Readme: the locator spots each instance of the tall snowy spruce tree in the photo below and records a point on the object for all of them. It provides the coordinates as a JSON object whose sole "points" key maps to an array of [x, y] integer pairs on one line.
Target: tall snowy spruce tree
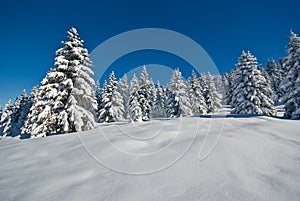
{"points": [[272, 71], [229, 87], [252, 94], [144, 94], [172, 105], [66, 99], [159, 104], [135, 108], [112, 102], [212, 97], [290, 84], [152, 93], [100, 95], [19, 114], [123, 89], [225, 81], [1, 112], [178, 99], [6, 119], [219, 85], [195, 92]]}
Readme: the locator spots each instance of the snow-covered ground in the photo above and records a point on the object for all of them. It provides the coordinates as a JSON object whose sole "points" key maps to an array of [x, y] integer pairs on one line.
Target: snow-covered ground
{"points": [[254, 158]]}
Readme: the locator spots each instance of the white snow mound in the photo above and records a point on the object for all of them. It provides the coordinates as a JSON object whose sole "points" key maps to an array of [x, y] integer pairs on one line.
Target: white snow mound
{"points": [[256, 158]]}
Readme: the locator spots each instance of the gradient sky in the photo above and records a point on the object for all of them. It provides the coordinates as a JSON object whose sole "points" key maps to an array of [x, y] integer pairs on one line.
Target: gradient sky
{"points": [[31, 31]]}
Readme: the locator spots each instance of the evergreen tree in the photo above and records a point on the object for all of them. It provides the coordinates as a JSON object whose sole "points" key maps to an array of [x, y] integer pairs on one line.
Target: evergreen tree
{"points": [[49, 107], [100, 99], [213, 99], [179, 96], [229, 88], [282, 71], [290, 84], [172, 104], [123, 89], [252, 93], [144, 95], [135, 109], [281, 68], [225, 81], [27, 126], [82, 102], [33, 98], [159, 109], [1, 112], [34, 94], [6, 119], [104, 114], [113, 108], [217, 79], [152, 93], [19, 115], [195, 92], [265, 74], [66, 99], [273, 75]]}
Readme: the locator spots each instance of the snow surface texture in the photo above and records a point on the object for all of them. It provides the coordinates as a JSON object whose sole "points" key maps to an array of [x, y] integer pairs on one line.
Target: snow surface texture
{"points": [[256, 158]]}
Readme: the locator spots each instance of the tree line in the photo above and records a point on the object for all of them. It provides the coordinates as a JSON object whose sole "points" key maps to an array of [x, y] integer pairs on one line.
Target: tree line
{"points": [[69, 100]]}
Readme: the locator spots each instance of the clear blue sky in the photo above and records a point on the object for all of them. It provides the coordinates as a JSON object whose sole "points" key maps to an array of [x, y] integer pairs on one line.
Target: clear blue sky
{"points": [[31, 30]]}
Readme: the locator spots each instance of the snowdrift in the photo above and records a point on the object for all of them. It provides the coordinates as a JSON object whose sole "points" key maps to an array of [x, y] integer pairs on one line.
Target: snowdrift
{"points": [[253, 158]]}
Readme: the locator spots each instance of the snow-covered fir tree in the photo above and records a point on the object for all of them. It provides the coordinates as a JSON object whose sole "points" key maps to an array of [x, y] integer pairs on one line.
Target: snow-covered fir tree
{"points": [[144, 94], [49, 108], [290, 84], [152, 93], [225, 81], [19, 115], [265, 74], [229, 88], [272, 77], [282, 71], [135, 109], [252, 93], [34, 94], [172, 104], [112, 101], [27, 127], [103, 112], [195, 92], [159, 109], [152, 97], [82, 102], [66, 99], [100, 94], [1, 112], [272, 71], [178, 94], [123, 89], [219, 85], [6, 119], [212, 97]]}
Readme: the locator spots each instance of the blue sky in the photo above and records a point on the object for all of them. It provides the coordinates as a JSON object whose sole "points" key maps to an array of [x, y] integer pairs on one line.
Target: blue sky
{"points": [[31, 31]]}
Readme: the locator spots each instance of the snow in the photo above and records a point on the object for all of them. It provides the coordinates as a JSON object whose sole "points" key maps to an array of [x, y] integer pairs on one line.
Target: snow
{"points": [[255, 158]]}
